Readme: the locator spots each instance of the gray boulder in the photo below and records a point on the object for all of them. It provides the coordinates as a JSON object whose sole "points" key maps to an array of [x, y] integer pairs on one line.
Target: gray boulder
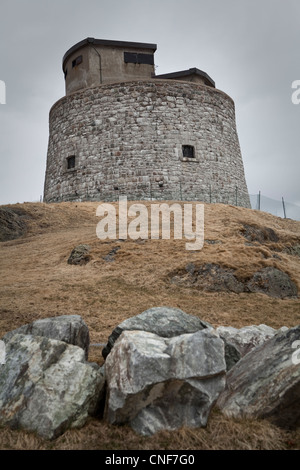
{"points": [[68, 328], [273, 282], [156, 383], [162, 321], [246, 338], [46, 386], [265, 383]]}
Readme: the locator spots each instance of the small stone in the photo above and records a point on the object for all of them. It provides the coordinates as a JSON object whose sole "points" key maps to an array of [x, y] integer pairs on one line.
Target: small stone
{"points": [[80, 255]]}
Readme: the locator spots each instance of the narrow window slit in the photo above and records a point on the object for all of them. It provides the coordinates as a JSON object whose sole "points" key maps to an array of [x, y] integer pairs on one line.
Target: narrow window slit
{"points": [[71, 162]]}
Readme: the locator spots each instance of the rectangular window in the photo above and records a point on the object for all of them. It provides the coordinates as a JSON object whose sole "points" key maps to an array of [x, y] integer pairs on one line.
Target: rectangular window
{"points": [[130, 58], [77, 61], [137, 58], [146, 59], [188, 151], [71, 162]]}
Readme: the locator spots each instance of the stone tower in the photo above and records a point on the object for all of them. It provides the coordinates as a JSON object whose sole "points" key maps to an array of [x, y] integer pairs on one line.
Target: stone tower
{"points": [[122, 130]]}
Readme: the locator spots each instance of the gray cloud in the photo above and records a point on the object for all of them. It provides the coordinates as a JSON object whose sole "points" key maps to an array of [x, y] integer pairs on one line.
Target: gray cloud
{"points": [[248, 47]]}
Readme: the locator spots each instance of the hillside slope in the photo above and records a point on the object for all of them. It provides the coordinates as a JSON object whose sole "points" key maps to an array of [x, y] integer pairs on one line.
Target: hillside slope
{"points": [[125, 277]]}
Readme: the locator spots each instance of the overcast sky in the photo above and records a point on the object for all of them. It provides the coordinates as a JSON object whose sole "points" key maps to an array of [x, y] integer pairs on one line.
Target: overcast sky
{"points": [[250, 48]]}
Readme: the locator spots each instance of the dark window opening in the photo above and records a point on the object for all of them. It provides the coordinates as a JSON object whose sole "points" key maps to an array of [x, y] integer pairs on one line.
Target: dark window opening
{"points": [[66, 73], [130, 58], [71, 162], [77, 61], [188, 151], [136, 58]]}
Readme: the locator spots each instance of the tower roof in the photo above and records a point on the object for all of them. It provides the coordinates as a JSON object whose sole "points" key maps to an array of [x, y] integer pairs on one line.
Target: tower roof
{"points": [[109, 43], [185, 73]]}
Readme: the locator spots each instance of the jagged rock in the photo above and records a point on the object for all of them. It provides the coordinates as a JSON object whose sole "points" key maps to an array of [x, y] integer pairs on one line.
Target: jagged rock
{"points": [[212, 277], [80, 255], [246, 338], [273, 282], [163, 321], [46, 386], [68, 328], [259, 234], [208, 277], [265, 383], [12, 224], [156, 383]]}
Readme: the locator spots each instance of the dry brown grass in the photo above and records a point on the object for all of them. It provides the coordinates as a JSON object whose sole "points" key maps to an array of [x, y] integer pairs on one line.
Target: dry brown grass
{"points": [[36, 282], [221, 433]]}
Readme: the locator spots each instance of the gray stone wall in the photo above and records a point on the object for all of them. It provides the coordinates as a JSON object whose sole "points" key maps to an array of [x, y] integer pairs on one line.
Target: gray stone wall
{"points": [[127, 139]]}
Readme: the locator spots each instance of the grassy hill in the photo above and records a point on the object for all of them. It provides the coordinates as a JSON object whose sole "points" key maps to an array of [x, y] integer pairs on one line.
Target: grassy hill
{"points": [[125, 277]]}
